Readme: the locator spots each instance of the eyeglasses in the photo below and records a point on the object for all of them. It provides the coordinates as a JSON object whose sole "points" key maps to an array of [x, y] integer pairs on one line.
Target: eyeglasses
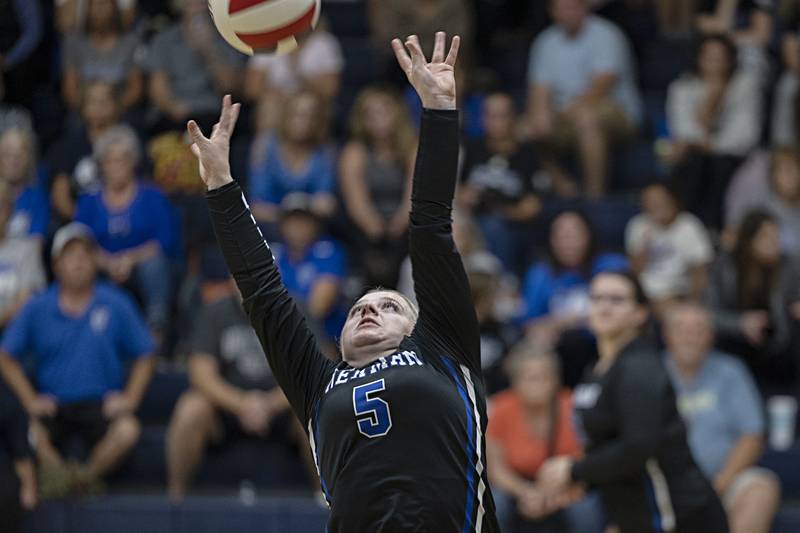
{"points": [[612, 299]]}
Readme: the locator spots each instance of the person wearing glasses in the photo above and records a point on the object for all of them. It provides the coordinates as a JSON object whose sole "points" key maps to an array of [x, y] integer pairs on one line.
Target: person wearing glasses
{"points": [[636, 452]]}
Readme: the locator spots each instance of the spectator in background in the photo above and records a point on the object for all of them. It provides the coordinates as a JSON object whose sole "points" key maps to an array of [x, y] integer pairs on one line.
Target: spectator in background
{"points": [[556, 292], [71, 14], [21, 30], [296, 158], [134, 224], [18, 490], [375, 181], [80, 333], [72, 162], [669, 249], [755, 296], [784, 198], [497, 182], [21, 270], [316, 64], [18, 170], [724, 419], [748, 22], [675, 17], [498, 334], [783, 124], [101, 49], [714, 117], [190, 68], [529, 423], [234, 393], [312, 267], [582, 89]]}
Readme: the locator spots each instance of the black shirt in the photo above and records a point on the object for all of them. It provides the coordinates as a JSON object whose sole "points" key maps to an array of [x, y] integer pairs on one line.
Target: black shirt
{"points": [[399, 443], [224, 332], [13, 430], [72, 156], [502, 180], [636, 452]]}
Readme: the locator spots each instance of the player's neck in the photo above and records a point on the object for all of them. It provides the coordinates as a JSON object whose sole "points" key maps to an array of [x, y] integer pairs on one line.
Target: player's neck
{"points": [[365, 355]]}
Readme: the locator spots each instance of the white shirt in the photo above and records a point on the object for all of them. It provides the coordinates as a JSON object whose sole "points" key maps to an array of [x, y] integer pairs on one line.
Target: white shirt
{"points": [[319, 55], [671, 251]]}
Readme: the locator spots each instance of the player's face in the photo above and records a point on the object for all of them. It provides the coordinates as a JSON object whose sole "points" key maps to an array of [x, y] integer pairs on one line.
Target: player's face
{"points": [[377, 322], [536, 382], [613, 310], [75, 268], [689, 335]]}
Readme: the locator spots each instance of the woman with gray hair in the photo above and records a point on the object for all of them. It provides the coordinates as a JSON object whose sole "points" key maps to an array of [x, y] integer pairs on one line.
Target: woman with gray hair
{"points": [[134, 224]]}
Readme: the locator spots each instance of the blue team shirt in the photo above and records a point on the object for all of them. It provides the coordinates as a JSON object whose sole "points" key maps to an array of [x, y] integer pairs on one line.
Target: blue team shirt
{"points": [[271, 180], [78, 358], [148, 217], [547, 292], [31, 214], [323, 258]]}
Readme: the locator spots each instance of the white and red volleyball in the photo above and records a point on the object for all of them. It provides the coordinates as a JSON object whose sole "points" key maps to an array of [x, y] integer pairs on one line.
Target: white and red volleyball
{"points": [[253, 26]]}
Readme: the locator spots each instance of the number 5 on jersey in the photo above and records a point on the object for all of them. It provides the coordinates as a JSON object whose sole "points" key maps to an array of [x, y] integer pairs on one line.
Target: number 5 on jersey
{"points": [[372, 413]]}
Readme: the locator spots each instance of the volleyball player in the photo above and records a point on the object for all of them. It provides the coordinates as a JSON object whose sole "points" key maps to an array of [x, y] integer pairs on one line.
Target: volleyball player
{"points": [[397, 427]]}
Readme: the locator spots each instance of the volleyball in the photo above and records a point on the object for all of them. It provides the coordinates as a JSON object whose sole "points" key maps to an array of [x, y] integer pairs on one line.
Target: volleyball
{"points": [[253, 26]]}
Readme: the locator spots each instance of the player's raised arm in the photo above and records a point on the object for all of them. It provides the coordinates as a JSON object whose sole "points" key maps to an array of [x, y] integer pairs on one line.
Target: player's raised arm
{"points": [[291, 349], [446, 311]]}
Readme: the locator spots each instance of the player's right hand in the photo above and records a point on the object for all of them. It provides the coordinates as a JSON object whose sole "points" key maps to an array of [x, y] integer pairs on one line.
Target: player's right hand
{"points": [[213, 152]]}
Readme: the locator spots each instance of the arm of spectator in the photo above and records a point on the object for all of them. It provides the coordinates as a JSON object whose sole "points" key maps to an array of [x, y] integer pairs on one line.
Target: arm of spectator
{"points": [[15, 376], [540, 111], [205, 377], [599, 90], [355, 194], [500, 474], [524, 209], [161, 96], [790, 50], [698, 280], [61, 196], [28, 495], [29, 18], [322, 297], [743, 109], [225, 74], [744, 454], [721, 21], [140, 375], [759, 32]]}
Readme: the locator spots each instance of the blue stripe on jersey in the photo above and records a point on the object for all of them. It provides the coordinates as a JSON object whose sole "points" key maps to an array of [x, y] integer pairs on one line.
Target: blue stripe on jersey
{"points": [[470, 445], [651, 500], [316, 455]]}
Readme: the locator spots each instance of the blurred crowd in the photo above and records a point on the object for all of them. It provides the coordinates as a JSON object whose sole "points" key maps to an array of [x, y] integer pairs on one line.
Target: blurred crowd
{"points": [[654, 135]]}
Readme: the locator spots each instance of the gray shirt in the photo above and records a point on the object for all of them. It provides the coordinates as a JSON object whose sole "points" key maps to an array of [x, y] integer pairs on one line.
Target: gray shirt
{"points": [[20, 269], [720, 406], [110, 65], [567, 64], [190, 79]]}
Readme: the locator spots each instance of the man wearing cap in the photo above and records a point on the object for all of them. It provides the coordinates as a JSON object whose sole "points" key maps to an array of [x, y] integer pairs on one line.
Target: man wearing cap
{"points": [[79, 333], [233, 391], [312, 267]]}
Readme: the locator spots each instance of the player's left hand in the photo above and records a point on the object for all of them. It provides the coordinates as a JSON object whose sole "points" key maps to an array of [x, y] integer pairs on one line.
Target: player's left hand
{"points": [[555, 474], [434, 81], [213, 153]]}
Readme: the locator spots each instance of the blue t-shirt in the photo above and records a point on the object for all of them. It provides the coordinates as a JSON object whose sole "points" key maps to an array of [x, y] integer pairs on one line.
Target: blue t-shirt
{"points": [[271, 180], [547, 292], [149, 217], [79, 358], [720, 406], [31, 214], [323, 258]]}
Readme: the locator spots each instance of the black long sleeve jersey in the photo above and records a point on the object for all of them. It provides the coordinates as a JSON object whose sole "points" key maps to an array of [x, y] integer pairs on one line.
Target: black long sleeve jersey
{"points": [[637, 455], [399, 443]]}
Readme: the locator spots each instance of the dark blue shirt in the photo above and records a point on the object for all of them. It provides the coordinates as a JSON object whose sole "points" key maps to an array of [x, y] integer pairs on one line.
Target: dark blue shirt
{"points": [[79, 358], [271, 179], [149, 217], [549, 292]]}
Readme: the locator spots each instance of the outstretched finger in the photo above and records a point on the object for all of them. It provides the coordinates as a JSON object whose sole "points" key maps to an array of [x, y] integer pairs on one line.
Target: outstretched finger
{"points": [[452, 55], [225, 115], [195, 134], [417, 56], [195, 150], [402, 55], [234, 117], [438, 47]]}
